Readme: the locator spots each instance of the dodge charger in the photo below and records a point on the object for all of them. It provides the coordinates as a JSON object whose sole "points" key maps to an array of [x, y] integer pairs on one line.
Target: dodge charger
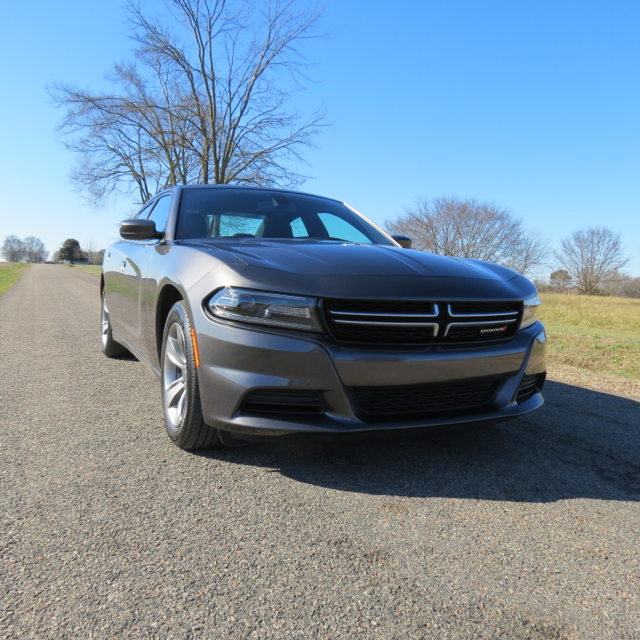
{"points": [[268, 313]]}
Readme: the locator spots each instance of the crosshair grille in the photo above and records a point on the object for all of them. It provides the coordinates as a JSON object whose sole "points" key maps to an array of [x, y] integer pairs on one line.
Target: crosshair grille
{"points": [[420, 322]]}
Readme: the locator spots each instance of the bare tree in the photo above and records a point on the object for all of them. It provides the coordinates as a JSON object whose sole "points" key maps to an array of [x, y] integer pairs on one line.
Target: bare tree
{"points": [[612, 284], [13, 249], [451, 226], [90, 249], [34, 250], [591, 256], [205, 101], [631, 288], [527, 252]]}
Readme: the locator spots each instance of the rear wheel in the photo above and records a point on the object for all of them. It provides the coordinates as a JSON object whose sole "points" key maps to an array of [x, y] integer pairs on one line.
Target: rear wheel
{"points": [[110, 347], [180, 393]]}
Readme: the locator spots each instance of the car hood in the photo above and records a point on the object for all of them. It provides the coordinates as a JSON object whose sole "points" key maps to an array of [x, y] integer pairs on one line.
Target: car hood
{"points": [[336, 259]]}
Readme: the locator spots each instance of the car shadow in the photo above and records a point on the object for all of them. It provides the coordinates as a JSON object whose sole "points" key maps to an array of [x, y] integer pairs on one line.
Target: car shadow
{"points": [[580, 444]]}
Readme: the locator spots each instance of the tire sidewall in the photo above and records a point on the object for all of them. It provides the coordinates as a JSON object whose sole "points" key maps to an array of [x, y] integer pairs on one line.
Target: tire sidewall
{"points": [[110, 347], [104, 345], [179, 314]]}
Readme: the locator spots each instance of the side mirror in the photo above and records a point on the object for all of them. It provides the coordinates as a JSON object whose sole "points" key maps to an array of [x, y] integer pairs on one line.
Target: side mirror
{"points": [[403, 241], [140, 230]]}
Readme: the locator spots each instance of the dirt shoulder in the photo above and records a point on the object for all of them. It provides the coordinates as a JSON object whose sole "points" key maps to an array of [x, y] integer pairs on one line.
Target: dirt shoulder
{"points": [[604, 382]]}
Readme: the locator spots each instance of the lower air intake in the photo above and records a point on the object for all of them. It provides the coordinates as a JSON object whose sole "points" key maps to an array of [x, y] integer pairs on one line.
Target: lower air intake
{"points": [[424, 399], [289, 401], [529, 386]]}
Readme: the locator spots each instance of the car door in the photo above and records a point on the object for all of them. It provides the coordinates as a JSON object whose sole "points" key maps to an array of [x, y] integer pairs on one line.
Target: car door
{"points": [[117, 274], [133, 265], [140, 291], [157, 269], [112, 270]]}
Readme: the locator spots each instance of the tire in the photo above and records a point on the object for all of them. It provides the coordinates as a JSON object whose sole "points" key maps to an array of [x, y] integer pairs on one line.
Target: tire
{"points": [[110, 347], [179, 382]]}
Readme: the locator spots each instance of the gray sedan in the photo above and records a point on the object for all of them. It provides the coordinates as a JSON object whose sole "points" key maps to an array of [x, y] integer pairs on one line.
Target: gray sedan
{"points": [[268, 314]]}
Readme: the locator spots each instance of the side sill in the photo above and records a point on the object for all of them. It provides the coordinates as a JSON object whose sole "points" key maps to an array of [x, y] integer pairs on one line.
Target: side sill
{"points": [[135, 353]]}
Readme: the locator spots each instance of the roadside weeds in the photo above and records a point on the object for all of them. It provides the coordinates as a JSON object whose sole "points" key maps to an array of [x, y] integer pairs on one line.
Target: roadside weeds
{"points": [[9, 273]]}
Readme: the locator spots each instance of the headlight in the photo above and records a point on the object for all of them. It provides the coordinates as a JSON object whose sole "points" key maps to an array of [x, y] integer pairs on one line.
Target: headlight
{"points": [[530, 315], [269, 309]]}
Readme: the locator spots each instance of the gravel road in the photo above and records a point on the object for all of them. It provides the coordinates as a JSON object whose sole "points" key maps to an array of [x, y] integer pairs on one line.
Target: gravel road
{"points": [[523, 530]]}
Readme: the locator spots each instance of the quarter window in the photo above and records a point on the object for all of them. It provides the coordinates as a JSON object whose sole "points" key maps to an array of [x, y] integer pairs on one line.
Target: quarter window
{"points": [[144, 212]]}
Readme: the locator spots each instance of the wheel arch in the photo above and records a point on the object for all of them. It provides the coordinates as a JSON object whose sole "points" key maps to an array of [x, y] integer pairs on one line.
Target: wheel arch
{"points": [[169, 295]]}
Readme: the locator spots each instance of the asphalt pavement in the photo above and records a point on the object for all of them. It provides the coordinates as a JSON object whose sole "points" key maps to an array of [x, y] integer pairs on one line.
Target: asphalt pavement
{"points": [[526, 530]]}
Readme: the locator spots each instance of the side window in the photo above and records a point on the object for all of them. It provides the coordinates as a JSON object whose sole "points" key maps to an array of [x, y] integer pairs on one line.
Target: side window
{"points": [[341, 229], [160, 213]]}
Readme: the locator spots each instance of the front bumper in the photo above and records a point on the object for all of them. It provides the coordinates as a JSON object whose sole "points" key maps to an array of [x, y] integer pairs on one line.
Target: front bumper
{"points": [[236, 359]]}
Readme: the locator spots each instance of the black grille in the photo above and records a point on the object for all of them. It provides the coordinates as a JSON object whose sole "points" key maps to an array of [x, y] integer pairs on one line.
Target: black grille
{"points": [[463, 333], [421, 399], [380, 306], [529, 386], [479, 332], [291, 401], [481, 308], [420, 322], [391, 335]]}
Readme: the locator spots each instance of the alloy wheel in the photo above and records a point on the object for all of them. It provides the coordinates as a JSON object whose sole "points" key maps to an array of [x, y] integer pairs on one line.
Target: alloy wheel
{"points": [[175, 375], [104, 335]]}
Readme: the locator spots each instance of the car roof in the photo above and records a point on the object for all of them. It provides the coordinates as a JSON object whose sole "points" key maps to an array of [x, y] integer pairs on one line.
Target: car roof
{"points": [[243, 187]]}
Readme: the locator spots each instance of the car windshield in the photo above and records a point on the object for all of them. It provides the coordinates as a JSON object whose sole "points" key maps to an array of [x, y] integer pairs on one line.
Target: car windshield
{"points": [[240, 213]]}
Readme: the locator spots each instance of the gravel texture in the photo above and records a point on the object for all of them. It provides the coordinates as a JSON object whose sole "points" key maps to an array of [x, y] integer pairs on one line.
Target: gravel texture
{"points": [[527, 530]]}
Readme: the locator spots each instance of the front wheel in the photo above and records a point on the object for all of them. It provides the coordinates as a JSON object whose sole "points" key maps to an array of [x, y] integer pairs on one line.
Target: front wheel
{"points": [[180, 394]]}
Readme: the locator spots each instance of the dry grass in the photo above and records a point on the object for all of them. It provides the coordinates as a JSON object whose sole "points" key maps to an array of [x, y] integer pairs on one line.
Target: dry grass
{"points": [[603, 382], [9, 273], [600, 334], [96, 269]]}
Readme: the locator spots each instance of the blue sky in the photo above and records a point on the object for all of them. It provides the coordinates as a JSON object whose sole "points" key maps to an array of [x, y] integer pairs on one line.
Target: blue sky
{"points": [[535, 106]]}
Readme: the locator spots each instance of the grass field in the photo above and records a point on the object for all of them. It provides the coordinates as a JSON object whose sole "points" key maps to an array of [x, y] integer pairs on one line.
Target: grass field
{"points": [[89, 268], [596, 333], [9, 273]]}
